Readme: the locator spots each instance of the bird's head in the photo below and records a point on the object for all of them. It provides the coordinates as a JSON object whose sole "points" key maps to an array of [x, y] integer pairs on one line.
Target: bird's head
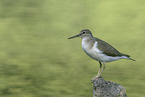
{"points": [[85, 33]]}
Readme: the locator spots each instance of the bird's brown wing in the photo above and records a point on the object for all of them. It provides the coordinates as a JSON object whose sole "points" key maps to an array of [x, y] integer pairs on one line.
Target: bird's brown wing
{"points": [[108, 49]]}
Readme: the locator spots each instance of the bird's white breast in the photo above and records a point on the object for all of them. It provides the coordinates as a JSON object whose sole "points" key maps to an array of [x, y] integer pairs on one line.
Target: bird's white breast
{"points": [[91, 49]]}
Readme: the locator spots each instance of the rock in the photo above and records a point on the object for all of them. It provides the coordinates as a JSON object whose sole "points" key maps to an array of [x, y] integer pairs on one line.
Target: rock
{"points": [[102, 88]]}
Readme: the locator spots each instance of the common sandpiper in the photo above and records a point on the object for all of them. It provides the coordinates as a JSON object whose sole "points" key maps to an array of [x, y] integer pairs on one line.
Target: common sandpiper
{"points": [[99, 50]]}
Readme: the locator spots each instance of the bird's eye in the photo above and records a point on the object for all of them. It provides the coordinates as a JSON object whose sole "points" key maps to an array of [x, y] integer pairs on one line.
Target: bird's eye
{"points": [[84, 32]]}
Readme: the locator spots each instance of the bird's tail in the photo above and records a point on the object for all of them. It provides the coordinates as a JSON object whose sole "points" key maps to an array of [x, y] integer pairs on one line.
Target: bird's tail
{"points": [[128, 57], [131, 59]]}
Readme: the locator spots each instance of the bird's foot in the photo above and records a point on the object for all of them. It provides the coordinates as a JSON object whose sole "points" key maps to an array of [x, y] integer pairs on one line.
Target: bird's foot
{"points": [[94, 78]]}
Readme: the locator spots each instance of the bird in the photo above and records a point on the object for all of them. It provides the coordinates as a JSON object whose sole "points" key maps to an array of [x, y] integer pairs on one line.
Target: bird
{"points": [[99, 50]]}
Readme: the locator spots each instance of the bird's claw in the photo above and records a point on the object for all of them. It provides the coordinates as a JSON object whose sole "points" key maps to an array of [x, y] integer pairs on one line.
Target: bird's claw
{"points": [[94, 78]]}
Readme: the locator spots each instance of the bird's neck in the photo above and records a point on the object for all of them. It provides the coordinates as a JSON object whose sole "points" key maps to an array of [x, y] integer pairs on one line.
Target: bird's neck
{"points": [[87, 38], [87, 42]]}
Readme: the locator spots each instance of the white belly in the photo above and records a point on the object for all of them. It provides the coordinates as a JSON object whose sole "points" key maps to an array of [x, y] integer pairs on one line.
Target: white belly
{"points": [[96, 54]]}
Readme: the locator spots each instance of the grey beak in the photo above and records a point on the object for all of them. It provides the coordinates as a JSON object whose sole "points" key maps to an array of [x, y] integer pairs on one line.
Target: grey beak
{"points": [[74, 36]]}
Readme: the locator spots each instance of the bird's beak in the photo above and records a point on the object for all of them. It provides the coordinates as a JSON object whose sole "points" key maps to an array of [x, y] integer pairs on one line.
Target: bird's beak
{"points": [[74, 36]]}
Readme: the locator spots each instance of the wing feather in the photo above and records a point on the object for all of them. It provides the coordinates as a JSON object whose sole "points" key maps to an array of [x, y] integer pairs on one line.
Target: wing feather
{"points": [[108, 49]]}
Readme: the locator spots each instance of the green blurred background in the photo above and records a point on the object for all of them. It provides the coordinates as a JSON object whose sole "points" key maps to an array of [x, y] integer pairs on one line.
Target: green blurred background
{"points": [[37, 59]]}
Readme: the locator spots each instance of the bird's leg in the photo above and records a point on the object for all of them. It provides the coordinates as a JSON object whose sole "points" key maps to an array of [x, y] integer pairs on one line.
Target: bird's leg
{"points": [[99, 72], [102, 68]]}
